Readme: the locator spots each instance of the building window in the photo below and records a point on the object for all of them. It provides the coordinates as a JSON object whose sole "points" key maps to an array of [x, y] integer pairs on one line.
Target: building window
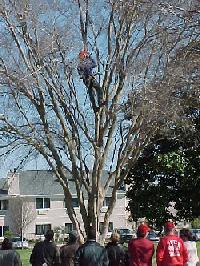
{"points": [[41, 229], [42, 203], [75, 203], [3, 229], [3, 205], [106, 201], [122, 187], [110, 227], [69, 227]]}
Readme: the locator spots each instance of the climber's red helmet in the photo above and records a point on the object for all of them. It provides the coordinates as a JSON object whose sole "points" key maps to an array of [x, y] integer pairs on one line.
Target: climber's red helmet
{"points": [[83, 54]]}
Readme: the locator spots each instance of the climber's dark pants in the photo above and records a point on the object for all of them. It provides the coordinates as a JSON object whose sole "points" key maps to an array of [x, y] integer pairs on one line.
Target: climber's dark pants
{"points": [[94, 90]]}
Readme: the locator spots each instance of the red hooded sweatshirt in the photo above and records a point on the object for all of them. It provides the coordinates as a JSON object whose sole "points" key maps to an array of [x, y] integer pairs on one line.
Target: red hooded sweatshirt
{"points": [[171, 251], [141, 251]]}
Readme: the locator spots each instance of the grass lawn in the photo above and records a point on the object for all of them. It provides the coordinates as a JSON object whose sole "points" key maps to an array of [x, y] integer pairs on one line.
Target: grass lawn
{"points": [[25, 255]]}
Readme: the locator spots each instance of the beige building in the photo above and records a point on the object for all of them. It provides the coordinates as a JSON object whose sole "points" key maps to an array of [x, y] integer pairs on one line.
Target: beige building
{"points": [[46, 206]]}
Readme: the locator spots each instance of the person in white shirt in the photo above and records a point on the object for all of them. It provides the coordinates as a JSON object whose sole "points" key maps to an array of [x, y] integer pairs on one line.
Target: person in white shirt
{"points": [[193, 259]]}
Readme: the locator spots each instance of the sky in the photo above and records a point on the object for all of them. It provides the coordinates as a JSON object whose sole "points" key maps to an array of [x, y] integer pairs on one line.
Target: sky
{"points": [[11, 163]]}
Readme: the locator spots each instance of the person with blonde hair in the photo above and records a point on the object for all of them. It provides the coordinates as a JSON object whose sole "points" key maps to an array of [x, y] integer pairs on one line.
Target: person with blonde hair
{"points": [[186, 236], [116, 254]]}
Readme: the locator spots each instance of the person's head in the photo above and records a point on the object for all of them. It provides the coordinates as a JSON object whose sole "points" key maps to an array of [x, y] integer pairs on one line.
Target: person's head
{"points": [[91, 233], [115, 237], [186, 235], [143, 230], [73, 237], [83, 54], [6, 244], [49, 235], [169, 228]]}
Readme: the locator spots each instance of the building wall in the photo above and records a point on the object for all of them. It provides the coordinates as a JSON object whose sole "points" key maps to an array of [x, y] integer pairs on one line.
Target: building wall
{"points": [[119, 215], [57, 215], [13, 183]]}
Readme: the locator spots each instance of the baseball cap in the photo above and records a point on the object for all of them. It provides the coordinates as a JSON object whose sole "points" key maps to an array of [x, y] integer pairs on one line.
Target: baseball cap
{"points": [[143, 229], [169, 225]]}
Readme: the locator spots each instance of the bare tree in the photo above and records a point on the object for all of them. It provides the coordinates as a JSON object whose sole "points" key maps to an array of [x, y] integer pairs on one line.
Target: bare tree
{"points": [[21, 214], [45, 108]]}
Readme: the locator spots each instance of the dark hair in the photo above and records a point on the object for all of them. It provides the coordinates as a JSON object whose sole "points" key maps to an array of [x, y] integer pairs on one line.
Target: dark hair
{"points": [[49, 235], [73, 237], [115, 237], [139, 234], [6, 244], [185, 234], [91, 233]]}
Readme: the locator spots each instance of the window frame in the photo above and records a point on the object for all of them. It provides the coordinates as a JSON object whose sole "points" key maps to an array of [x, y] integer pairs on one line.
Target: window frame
{"points": [[71, 227], [3, 229], [4, 205], [75, 203], [43, 230], [110, 227], [106, 201], [43, 203]]}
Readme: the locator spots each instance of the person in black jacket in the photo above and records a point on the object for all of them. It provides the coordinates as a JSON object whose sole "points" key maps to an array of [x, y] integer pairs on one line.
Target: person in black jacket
{"points": [[45, 252], [91, 253], [116, 254], [8, 256]]}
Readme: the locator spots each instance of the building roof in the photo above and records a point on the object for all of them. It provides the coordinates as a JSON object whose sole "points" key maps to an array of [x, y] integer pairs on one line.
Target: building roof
{"points": [[39, 182], [42, 182]]}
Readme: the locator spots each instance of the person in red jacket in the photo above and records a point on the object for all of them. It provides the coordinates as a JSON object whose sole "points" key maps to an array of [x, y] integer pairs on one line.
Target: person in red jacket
{"points": [[171, 250], [141, 250]]}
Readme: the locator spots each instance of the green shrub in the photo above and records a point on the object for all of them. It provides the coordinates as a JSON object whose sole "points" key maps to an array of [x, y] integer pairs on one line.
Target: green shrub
{"points": [[8, 234]]}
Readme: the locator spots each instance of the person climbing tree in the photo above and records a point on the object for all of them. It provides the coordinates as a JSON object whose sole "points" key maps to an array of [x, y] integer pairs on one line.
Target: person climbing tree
{"points": [[85, 70]]}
